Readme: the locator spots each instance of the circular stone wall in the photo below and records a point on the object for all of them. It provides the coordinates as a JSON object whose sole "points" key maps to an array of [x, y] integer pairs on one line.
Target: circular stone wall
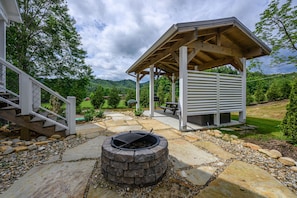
{"points": [[141, 167]]}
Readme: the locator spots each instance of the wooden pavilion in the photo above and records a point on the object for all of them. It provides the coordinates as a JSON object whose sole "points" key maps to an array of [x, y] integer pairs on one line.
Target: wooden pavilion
{"points": [[186, 50]]}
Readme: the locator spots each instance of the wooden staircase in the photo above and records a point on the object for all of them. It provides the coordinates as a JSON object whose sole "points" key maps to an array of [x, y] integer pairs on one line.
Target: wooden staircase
{"points": [[29, 122]]}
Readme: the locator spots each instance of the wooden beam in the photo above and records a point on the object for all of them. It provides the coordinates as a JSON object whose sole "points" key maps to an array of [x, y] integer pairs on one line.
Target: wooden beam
{"points": [[216, 49], [216, 63], [175, 56], [254, 52], [192, 54], [238, 63], [189, 37]]}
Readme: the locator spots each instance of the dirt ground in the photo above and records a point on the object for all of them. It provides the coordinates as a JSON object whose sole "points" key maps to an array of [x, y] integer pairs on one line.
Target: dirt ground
{"points": [[287, 149]]}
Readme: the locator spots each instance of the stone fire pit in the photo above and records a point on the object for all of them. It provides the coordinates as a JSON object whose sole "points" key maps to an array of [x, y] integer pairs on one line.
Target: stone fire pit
{"points": [[135, 158]]}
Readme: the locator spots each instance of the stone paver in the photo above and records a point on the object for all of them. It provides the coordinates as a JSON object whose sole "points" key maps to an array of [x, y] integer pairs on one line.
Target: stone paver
{"points": [[189, 154], [89, 130], [167, 133], [88, 150], [198, 176], [244, 180], [61, 180], [118, 129], [113, 123], [213, 148], [118, 116], [102, 193], [153, 124]]}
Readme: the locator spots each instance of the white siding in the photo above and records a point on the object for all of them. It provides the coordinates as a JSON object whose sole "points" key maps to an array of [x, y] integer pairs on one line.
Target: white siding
{"points": [[209, 93]]}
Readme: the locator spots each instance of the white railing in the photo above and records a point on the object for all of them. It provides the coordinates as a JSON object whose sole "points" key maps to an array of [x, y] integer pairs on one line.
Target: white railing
{"points": [[210, 93], [34, 98]]}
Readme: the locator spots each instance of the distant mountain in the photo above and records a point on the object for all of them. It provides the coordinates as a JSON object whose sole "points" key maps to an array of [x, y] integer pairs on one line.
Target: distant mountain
{"points": [[122, 85]]}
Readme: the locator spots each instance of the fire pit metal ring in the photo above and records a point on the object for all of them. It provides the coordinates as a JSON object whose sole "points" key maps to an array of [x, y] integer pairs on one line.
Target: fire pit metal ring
{"points": [[134, 158]]}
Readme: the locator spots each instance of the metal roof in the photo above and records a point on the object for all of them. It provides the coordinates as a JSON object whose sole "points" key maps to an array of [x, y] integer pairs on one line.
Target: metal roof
{"points": [[210, 44], [9, 11]]}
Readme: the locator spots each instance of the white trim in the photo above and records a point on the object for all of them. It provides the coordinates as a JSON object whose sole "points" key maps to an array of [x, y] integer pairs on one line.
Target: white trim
{"points": [[173, 88], [152, 79], [242, 114], [137, 92], [183, 81]]}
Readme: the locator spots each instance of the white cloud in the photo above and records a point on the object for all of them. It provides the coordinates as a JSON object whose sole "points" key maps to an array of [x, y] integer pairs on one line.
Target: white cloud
{"points": [[116, 33]]}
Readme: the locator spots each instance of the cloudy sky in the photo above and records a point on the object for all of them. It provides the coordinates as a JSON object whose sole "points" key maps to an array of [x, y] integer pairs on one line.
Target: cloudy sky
{"points": [[115, 33]]}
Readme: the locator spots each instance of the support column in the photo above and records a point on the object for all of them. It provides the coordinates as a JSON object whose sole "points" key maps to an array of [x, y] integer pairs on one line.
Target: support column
{"points": [[217, 120], [242, 114], [173, 88], [71, 115], [137, 92], [2, 55], [152, 79], [183, 84]]}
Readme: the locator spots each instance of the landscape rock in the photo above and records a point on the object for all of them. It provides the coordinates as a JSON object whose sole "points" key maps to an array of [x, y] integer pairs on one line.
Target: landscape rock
{"points": [[15, 141], [241, 179], [70, 137], [218, 133], [4, 148], [32, 147], [287, 161], [234, 137], [8, 143], [56, 136], [252, 146], [209, 132], [199, 176], [271, 153], [226, 137], [20, 143], [20, 148], [8, 150], [294, 168], [41, 143], [27, 143], [41, 148], [227, 129], [41, 138]]}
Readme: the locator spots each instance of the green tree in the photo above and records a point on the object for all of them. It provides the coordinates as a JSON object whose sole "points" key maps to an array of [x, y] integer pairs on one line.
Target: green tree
{"points": [[114, 97], [259, 94], [144, 95], [131, 94], [289, 123], [47, 45], [274, 92], [97, 99], [278, 27]]}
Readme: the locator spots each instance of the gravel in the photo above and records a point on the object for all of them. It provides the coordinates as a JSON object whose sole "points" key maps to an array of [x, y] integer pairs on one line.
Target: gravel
{"points": [[15, 165]]}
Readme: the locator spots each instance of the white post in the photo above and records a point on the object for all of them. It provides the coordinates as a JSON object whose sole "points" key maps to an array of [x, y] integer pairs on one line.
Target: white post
{"points": [[173, 88], [242, 114], [137, 92], [217, 119], [70, 116], [183, 84], [2, 55], [25, 85], [152, 103]]}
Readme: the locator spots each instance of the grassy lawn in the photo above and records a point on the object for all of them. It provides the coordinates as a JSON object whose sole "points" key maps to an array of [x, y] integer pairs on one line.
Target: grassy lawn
{"points": [[88, 105], [267, 129], [267, 117]]}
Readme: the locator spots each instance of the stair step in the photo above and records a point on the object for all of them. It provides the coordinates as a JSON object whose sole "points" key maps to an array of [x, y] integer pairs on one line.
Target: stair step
{"points": [[58, 128], [9, 108], [4, 95]]}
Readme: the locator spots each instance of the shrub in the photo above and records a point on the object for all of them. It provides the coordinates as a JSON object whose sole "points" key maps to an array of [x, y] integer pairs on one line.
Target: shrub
{"points": [[89, 115], [249, 99], [138, 112], [97, 98], [99, 114], [114, 97], [259, 95], [289, 123]]}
